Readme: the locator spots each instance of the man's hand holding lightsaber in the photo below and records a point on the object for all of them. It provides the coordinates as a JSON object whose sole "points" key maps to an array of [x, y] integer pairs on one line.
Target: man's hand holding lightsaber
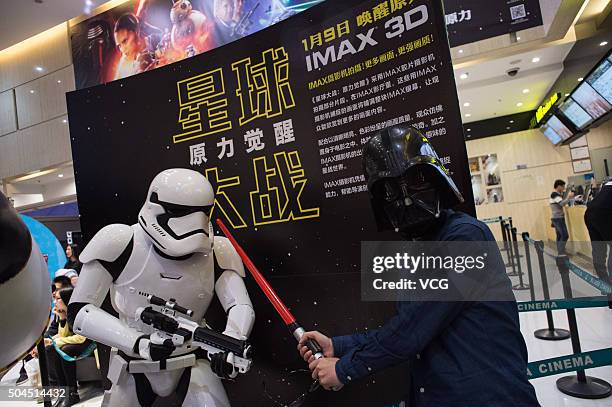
{"points": [[323, 369]]}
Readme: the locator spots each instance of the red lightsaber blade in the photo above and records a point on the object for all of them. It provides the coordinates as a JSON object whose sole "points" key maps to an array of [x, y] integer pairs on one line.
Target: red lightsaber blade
{"points": [[294, 327]]}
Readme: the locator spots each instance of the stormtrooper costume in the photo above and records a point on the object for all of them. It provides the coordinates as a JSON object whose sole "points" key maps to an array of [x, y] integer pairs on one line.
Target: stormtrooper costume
{"points": [[171, 253]]}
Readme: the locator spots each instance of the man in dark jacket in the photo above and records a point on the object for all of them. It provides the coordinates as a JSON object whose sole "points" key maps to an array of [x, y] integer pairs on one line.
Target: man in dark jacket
{"points": [[461, 353], [598, 219]]}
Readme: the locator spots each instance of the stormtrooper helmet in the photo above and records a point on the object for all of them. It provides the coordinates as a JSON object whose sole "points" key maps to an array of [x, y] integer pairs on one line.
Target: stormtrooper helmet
{"points": [[176, 214]]}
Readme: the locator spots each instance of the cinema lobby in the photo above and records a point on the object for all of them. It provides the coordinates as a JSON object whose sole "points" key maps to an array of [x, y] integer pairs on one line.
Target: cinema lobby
{"points": [[285, 203]]}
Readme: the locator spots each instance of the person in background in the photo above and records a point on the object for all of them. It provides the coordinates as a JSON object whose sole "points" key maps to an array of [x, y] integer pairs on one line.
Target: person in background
{"points": [[69, 343], [59, 282], [72, 253], [598, 220], [557, 202]]}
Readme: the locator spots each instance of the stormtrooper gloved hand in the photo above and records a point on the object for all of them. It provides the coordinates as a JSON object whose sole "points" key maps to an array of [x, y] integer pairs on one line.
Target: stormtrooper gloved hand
{"points": [[222, 364], [153, 351]]}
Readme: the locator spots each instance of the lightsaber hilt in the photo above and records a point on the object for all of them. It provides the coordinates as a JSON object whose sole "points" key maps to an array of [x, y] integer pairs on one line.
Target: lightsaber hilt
{"points": [[298, 332]]}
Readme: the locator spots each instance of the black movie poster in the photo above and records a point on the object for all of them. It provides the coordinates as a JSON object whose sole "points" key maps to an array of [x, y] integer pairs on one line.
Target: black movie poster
{"points": [[474, 20], [277, 121]]}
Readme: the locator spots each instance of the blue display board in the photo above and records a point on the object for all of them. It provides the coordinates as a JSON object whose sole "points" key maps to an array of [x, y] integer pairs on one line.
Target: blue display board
{"points": [[49, 246]]}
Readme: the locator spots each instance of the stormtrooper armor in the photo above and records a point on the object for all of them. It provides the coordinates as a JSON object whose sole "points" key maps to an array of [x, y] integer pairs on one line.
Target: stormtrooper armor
{"points": [[25, 288], [170, 253]]}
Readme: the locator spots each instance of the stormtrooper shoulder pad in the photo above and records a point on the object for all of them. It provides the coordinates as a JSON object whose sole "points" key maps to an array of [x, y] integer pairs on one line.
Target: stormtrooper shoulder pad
{"points": [[108, 244], [226, 256]]}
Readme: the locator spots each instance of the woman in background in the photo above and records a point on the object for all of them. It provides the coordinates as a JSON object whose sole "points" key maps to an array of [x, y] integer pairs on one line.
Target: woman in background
{"points": [[69, 343]]}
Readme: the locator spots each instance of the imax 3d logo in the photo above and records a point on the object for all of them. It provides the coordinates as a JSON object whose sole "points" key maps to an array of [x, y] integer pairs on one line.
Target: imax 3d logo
{"points": [[394, 27]]}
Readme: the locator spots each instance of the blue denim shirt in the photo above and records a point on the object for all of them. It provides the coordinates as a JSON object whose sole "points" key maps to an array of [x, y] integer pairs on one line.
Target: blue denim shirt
{"points": [[461, 354]]}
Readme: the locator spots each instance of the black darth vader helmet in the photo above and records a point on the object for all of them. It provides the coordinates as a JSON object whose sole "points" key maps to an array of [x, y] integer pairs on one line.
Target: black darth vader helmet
{"points": [[407, 182]]}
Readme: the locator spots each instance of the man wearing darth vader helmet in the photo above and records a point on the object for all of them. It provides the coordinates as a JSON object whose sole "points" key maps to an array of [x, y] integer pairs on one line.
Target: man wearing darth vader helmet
{"points": [[452, 347]]}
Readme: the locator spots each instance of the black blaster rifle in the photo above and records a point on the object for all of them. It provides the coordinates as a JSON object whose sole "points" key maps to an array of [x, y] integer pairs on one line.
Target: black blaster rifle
{"points": [[184, 332]]}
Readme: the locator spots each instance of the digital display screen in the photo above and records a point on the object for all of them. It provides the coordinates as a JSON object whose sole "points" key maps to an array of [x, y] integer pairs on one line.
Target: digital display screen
{"points": [[591, 101], [559, 128], [601, 80], [551, 134], [576, 114]]}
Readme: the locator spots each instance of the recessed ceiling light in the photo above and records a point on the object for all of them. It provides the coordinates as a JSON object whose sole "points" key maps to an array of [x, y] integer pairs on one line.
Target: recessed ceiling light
{"points": [[518, 38], [59, 81], [64, 121], [535, 59], [525, 90], [39, 68], [61, 203], [466, 104], [603, 43], [469, 129], [464, 75], [468, 115], [508, 128], [580, 79], [461, 51], [60, 175], [511, 121], [519, 104], [31, 90]]}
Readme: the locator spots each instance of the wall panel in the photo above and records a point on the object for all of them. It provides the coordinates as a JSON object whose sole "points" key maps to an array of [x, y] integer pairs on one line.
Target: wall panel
{"points": [[40, 146], [49, 50], [8, 121]]}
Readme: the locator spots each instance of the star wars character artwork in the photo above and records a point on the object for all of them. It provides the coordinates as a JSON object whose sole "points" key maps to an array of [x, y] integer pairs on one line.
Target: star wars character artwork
{"points": [[161, 276], [138, 36]]}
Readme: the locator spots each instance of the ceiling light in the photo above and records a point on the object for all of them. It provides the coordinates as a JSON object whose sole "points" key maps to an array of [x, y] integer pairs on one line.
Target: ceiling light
{"points": [[60, 175], [468, 115], [31, 90], [466, 104], [59, 81], [461, 51], [61, 203], [518, 38], [508, 128], [39, 68], [64, 121], [535, 59], [519, 104], [525, 90], [511, 121], [464, 75], [580, 79], [469, 129], [567, 94], [603, 43]]}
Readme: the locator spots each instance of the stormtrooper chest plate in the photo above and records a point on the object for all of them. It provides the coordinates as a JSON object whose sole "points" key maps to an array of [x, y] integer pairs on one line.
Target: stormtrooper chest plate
{"points": [[190, 281]]}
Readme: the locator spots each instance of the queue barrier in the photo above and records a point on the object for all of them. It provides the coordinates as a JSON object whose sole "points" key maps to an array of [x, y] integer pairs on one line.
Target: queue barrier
{"points": [[569, 363], [563, 303], [580, 385]]}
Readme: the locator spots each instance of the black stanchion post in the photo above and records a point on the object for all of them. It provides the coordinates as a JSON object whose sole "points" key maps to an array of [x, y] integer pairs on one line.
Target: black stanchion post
{"points": [[511, 226], [510, 252], [551, 333], [506, 245], [503, 232], [521, 285], [525, 237], [581, 385], [44, 373]]}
